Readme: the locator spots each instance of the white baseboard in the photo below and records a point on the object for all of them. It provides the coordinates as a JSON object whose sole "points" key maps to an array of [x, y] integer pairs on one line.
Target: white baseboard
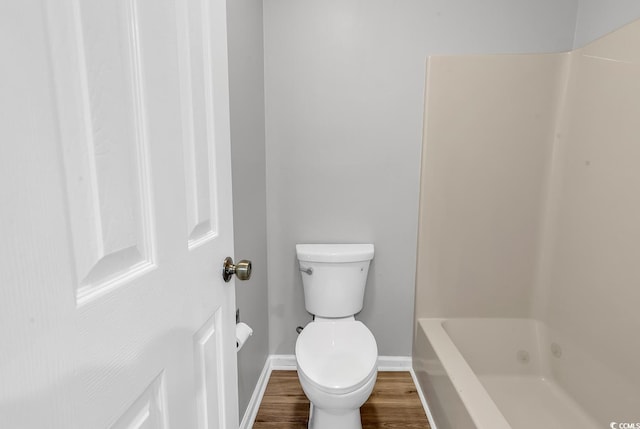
{"points": [[385, 363], [288, 363], [251, 412], [283, 362], [394, 363]]}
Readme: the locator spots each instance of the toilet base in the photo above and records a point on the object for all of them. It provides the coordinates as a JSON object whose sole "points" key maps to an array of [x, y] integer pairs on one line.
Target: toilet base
{"points": [[334, 419], [336, 411]]}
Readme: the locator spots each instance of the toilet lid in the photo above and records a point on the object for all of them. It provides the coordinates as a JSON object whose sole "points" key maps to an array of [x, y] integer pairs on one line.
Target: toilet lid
{"points": [[336, 356]]}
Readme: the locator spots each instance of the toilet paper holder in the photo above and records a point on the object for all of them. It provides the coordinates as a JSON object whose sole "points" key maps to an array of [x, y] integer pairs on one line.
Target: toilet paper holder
{"points": [[243, 332]]}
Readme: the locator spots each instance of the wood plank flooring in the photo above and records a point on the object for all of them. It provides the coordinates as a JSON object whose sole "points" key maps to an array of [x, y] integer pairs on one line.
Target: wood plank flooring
{"points": [[393, 404]]}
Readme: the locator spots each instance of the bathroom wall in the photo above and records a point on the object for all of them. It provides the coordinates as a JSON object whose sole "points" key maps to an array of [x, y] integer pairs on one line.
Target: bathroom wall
{"points": [[249, 192], [588, 293], [488, 139], [344, 82]]}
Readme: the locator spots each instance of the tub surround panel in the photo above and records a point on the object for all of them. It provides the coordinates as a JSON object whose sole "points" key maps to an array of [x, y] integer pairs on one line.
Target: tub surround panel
{"points": [[617, 46], [580, 230], [487, 141], [593, 281]]}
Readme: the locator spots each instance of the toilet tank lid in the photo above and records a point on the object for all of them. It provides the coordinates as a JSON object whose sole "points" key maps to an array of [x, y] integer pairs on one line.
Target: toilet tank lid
{"points": [[334, 252]]}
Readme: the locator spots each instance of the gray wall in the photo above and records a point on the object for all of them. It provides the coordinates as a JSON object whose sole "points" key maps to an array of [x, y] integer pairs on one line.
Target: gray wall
{"points": [[249, 192], [344, 86]]}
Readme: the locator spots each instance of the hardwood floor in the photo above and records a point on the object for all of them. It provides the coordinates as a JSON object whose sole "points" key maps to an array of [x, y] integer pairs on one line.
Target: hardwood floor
{"points": [[393, 404]]}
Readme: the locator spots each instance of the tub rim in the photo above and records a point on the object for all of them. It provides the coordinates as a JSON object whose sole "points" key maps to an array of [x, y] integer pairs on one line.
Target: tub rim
{"points": [[483, 411]]}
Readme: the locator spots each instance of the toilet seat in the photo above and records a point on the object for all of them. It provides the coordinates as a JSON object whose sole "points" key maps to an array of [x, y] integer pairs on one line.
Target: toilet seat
{"points": [[337, 357]]}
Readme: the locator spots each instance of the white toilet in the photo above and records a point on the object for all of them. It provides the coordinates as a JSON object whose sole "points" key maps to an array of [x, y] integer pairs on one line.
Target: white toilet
{"points": [[336, 355]]}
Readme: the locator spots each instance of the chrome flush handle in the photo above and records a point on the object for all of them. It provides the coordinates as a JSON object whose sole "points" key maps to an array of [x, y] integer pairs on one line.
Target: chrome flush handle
{"points": [[307, 270]]}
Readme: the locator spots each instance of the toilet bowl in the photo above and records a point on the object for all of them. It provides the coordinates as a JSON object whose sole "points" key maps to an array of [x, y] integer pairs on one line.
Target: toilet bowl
{"points": [[336, 361]]}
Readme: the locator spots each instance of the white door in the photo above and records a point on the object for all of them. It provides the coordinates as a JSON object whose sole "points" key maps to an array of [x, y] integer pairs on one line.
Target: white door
{"points": [[115, 216]]}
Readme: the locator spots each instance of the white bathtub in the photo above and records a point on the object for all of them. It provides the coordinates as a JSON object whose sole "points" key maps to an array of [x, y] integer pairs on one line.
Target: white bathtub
{"points": [[493, 374]]}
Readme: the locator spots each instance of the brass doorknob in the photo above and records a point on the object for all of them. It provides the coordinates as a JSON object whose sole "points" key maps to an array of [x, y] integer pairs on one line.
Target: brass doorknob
{"points": [[242, 269]]}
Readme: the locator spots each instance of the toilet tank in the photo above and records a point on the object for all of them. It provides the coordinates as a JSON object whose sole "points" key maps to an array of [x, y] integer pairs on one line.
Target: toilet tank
{"points": [[334, 277]]}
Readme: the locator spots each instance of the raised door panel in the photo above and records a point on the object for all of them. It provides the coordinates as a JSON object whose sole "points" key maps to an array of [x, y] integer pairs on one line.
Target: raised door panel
{"points": [[149, 411], [196, 92], [208, 344], [100, 92]]}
